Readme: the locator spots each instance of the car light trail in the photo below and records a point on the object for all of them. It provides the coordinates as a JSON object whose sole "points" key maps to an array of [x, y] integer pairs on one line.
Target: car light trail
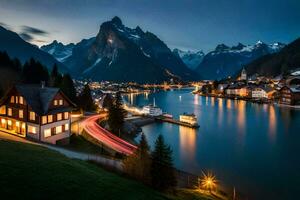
{"points": [[105, 137]]}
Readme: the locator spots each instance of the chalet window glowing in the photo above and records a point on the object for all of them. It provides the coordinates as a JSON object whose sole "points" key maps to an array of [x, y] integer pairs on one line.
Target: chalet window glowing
{"points": [[50, 118], [47, 132], [55, 102], [32, 116], [44, 120], [9, 112], [21, 114], [21, 100], [66, 127], [66, 115], [9, 124], [2, 110], [3, 123], [59, 116], [17, 99], [61, 102], [58, 129], [31, 129], [12, 99]]}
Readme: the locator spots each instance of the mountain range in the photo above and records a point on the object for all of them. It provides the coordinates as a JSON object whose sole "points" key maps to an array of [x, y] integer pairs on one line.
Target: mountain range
{"points": [[282, 62], [16, 47], [225, 61], [119, 53]]}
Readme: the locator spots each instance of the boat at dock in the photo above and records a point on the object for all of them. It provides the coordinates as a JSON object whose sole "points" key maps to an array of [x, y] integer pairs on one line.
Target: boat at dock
{"points": [[188, 120], [152, 110]]}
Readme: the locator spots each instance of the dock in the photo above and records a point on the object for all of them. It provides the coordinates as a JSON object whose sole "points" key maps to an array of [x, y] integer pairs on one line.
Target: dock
{"points": [[175, 121]]}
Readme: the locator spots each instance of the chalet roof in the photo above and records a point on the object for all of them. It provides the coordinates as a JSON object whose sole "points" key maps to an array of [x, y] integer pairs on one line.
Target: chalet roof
{"points": [[294, 89], [39, 98], [265, 88]]}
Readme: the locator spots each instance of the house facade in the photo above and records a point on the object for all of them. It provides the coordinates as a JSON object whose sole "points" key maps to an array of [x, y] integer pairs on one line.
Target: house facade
{"points": [[36, 112], [238, 90], [262, 93], [290, 95]]}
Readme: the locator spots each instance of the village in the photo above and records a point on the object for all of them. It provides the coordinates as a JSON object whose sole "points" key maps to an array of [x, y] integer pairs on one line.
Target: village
{"points": [[283, 90]]}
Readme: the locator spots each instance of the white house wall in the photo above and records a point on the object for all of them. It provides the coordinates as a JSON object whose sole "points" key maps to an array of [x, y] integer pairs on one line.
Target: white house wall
{"points": [[52, 139]]}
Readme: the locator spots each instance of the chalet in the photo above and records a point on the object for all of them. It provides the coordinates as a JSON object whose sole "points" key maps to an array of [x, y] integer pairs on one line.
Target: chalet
{"points": [[262, 93], [290, 95], [238, 90], [36, 112]]}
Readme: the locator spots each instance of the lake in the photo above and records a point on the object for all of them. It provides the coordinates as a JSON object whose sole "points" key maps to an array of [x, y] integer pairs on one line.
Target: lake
{"points": [[252, 147]]}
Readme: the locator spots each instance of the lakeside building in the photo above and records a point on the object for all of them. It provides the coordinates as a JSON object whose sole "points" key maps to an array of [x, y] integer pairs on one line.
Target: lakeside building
{"points": [[36, 112], [238, 90], [290, 95], [262, 92], [188, 118]]}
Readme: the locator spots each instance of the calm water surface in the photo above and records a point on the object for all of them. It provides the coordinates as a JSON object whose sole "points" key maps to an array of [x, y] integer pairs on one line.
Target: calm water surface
{"points": [[254, 147]]}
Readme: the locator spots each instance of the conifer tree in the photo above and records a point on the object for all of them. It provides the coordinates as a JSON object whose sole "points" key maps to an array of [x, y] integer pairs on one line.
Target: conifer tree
{"points": [[34, 72], [85, 99], [55, 77], [116, 114], [68, 88], [162, 170], [138, 164]]}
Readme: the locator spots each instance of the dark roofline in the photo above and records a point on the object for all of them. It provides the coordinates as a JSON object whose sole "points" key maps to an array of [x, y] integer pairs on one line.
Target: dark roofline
{"points": [[39, 108]]}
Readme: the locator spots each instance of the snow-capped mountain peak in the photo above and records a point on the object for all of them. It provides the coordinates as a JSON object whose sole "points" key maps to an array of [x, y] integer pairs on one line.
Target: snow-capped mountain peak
{"points": [[191, 58], [60, 51], [259, 42], [225, 61]]}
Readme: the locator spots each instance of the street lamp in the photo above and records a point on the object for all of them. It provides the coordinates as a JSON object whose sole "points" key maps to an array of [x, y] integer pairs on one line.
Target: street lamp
{"points": [[208, 181]]}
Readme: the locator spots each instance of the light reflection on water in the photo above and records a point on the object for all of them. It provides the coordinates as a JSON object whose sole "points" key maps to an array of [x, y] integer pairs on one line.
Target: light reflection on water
{"points": [[247, 145], [187, 137]]}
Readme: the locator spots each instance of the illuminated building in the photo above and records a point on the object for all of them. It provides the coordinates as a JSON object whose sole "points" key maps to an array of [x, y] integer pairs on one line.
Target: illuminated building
{"points": [[36, 112], [290, 95], [262, 93]]}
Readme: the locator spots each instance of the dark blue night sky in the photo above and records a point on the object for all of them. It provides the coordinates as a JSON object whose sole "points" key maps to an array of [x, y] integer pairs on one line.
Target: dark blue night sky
{"points": [[188, 24]]}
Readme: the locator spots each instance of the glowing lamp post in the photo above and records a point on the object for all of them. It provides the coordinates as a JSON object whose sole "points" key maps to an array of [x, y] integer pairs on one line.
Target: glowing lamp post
{"points": [[208, 181]]}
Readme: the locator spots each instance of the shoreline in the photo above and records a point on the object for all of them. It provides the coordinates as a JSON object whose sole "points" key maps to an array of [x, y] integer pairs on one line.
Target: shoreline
{"points": [[248, 99]]}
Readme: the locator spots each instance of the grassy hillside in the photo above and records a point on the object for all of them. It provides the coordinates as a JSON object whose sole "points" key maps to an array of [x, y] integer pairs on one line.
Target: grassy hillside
{"points": [[32, 172]]}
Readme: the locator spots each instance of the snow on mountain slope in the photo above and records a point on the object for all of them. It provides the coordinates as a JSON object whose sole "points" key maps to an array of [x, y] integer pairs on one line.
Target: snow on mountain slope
{"points": [[191, 58], [225, 61], [58, 50]]}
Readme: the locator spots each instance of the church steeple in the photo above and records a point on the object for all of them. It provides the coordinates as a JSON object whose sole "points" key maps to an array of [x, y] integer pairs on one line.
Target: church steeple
{"points": [[243, 74]]}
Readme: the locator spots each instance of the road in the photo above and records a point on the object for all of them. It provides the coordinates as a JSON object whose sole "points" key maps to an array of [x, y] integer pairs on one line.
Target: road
{"points": [[112, 163], [91, 126]]}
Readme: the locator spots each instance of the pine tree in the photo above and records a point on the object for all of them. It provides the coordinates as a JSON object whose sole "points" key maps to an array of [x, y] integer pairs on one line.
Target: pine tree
{"points": [[85, 99], [116, 115], [34, 72], [162, 170], [138, 164], [10, 71], [68, 88], [55, 77]]}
